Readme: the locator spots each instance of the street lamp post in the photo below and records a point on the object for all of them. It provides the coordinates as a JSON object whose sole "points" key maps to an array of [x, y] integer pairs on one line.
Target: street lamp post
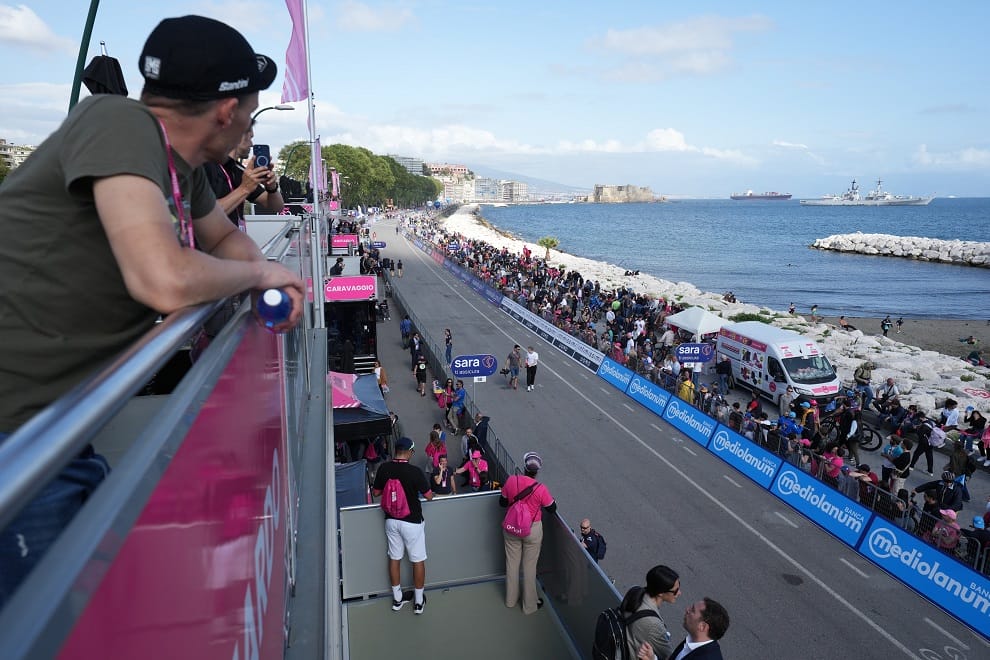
{"points": [[271, 107]]}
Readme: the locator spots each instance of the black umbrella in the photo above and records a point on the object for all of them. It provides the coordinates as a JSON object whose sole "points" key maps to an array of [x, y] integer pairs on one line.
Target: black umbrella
{"points": [[103, 75]]}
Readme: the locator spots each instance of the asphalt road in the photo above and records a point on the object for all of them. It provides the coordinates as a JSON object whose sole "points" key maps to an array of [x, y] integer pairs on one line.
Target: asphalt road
{"points": [[792, 591]]}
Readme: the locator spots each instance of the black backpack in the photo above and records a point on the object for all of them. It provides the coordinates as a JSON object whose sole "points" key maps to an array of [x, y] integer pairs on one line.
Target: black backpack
{"points": [[610, 628]]}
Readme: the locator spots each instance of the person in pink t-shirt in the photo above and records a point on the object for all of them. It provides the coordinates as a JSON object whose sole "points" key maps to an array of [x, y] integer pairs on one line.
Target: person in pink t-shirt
{"points": [[477, 472], [525, 551]]}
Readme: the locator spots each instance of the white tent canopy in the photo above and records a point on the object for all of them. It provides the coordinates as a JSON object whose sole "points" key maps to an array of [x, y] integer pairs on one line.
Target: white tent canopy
{"points": [[697, 321]]}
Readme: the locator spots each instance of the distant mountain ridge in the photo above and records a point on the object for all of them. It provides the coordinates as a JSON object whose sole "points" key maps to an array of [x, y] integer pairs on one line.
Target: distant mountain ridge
{"points": [[535, 185]]}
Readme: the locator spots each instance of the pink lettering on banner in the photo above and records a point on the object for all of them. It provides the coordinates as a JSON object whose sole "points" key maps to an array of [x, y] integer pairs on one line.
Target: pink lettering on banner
{"points": [[343, 240], [357, 287], [309, 289]]}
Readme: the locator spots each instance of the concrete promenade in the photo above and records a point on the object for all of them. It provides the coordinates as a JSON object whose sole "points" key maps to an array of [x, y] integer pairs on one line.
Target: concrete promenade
{"points": [[791, 589]]}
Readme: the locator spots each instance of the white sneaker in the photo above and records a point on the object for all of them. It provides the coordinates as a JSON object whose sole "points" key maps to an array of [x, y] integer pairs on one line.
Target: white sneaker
{"points": [[986, 462]]}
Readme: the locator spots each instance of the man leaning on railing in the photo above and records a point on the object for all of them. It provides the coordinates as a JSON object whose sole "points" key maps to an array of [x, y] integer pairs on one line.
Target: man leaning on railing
{"points": [[110, 224]]}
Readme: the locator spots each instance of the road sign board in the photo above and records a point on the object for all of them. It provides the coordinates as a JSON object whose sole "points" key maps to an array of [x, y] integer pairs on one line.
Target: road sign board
{"points": [[480, 379], [466, 366], [695, 353], [378, 245]]}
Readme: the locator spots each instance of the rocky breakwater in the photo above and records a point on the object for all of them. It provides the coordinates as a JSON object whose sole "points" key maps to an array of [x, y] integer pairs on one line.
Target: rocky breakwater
{"points": [[962, 253]]}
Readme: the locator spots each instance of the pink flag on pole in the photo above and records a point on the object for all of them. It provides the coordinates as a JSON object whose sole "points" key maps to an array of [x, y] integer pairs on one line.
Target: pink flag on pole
{"points": [[317, 175], [296, 85], [335, 179]]}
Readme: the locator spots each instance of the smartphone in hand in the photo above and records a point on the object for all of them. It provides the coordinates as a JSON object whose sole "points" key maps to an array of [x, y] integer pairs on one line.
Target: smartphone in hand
{"points": [[262, 155]]}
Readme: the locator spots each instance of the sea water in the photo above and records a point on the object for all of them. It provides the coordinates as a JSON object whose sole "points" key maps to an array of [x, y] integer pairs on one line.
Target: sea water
{"points": [[760, 251]]}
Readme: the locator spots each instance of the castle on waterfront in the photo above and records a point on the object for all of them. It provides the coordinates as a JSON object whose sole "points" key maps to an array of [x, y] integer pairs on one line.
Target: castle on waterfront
{"points": [[621, 194]]}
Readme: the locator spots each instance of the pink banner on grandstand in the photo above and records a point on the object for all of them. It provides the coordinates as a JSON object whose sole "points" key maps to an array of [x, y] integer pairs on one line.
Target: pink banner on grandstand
{"points": [[357, 287], [343, 240], [202, 573], [334, 205]]}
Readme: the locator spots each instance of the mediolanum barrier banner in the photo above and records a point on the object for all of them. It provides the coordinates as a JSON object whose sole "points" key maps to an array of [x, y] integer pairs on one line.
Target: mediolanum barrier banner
{"points": [[653, 397], [834, 512], [692, 422], [615, 374], [747, 457], [952, 586]]}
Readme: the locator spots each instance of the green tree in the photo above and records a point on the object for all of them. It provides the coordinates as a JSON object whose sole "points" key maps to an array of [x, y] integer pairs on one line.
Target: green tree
{"points": [[365, 179], [4, 169], [549, 243]]}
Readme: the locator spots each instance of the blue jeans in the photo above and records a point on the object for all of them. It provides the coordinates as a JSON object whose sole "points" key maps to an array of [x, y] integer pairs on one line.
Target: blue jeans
{"points": [[26, 539], [723, 383], [867, 395], [450, 347]]}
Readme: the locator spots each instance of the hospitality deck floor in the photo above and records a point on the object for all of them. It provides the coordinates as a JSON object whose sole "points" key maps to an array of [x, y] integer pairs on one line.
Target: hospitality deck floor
{"points": [[461, 621]]}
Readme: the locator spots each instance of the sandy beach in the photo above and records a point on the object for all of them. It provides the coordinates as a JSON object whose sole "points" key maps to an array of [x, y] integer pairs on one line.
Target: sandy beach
{"points": [[924, 359], [939, 335]]}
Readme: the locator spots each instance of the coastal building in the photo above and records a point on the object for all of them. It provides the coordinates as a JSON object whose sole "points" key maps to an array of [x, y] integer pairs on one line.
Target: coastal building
{"points": [[486, 190], [411, 164], [14, 154], [514, 191], [439, 169], [621, 194]]}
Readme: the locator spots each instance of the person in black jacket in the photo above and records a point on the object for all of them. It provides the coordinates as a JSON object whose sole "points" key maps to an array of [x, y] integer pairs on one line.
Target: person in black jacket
{"points": [[592, 541], [947, 492]]}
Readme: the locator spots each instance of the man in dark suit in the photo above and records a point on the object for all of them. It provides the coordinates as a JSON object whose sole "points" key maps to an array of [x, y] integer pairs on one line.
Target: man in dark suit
{"points": [[705, 622]]}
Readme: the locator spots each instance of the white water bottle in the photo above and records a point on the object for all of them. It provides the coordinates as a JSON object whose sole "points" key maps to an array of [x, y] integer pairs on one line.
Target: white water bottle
{"points": [[274, 307]]}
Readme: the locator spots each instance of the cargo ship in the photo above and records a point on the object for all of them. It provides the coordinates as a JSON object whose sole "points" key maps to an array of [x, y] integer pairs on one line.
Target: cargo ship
{"points": [[749, 194]]}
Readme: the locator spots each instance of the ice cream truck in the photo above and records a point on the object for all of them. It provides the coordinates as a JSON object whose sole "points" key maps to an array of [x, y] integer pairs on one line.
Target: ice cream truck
{"points": [[767, 360]]}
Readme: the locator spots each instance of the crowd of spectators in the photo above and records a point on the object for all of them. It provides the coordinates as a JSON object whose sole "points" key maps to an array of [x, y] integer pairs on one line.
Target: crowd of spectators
{"points": [[629, 328]]}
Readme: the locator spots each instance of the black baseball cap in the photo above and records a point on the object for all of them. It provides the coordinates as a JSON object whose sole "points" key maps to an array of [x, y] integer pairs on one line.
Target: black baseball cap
{"points": [[201, 59]]}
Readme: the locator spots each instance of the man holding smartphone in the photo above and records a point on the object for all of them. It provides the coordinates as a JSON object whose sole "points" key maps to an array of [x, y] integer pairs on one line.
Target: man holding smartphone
{"points": [[234, 184]]}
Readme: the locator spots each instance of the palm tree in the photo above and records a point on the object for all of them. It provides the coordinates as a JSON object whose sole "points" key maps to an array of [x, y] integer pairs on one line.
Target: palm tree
{"points": [[548, 242]]}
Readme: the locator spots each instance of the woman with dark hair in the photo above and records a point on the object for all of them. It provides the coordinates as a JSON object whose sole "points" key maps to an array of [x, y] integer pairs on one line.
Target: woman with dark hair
{"points": [[641, 607]]}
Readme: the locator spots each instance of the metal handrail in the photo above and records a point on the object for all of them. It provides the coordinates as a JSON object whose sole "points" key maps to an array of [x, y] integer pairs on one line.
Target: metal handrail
{"points": [[33, 455]]}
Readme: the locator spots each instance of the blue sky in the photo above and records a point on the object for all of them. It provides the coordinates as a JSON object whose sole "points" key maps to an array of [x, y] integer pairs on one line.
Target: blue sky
{"points": [[690, 98]]}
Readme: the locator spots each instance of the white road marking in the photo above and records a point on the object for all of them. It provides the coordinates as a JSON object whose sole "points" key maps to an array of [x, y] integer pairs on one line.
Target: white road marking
{"points": [[656, 427], [688, 450], [945, 632], [628, 407], [731, 480], [795, 563], [786, 519], [601, 388], [861, 573]]}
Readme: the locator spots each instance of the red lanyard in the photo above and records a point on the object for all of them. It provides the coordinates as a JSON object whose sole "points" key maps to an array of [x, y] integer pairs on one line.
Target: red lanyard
{"points": [[186, 236]]}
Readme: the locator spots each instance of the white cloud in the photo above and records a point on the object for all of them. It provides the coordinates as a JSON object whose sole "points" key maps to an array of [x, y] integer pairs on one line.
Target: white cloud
{"points": [[800, 147], [249, 16], [667, 139], [361, 17], [20, 26], [460, 139], [698, 46], [970, 158], [31, 111]]}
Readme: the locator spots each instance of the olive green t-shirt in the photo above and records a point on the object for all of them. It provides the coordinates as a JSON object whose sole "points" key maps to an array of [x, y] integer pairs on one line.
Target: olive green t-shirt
{"points": [[64, 309]]}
